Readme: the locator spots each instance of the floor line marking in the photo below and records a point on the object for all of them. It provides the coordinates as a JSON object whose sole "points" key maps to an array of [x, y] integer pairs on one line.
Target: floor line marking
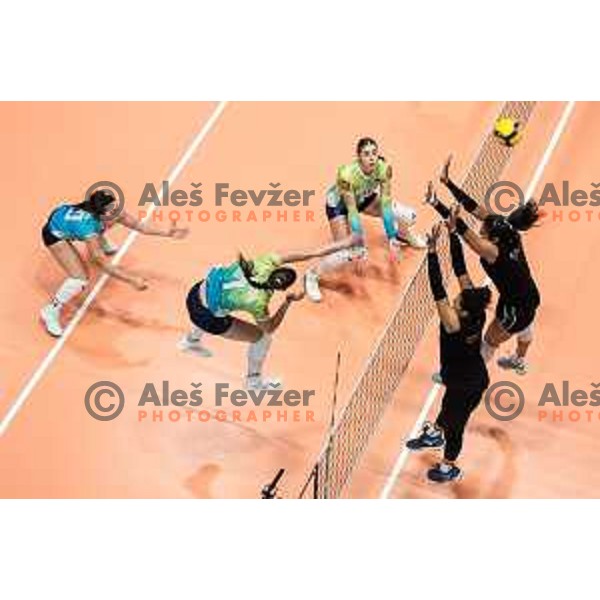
{"points": [[435, 388], [37, 375]]}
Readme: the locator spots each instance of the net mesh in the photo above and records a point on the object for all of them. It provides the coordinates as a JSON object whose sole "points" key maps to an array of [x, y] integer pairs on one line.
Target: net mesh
{"points": [[396, 346]]}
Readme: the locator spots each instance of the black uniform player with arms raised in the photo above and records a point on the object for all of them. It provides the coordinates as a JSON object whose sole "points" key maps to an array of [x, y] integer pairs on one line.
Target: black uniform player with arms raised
{"points": [[463, 370], [503, 258]]}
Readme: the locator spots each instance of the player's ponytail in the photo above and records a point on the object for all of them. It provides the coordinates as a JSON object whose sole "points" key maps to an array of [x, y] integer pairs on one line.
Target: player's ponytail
{"points": [[524, 217], [248, 270], [280, 279]]}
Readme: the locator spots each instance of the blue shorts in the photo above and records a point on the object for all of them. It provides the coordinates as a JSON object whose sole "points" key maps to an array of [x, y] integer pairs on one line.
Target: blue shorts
{"points": [[340, 209], [48, 237], [202, 317]]}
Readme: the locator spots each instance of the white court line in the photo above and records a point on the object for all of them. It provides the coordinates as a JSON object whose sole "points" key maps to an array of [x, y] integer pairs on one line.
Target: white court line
{"points": [[372, 354], [435, 388], [20, 400]]}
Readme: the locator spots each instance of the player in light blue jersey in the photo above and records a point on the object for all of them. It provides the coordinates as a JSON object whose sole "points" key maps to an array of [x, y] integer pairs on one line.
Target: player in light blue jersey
{"points": [[87, 222]]}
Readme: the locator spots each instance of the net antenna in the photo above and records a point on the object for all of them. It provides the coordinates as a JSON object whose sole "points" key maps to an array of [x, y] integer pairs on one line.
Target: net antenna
{"points": [[331, 432]]}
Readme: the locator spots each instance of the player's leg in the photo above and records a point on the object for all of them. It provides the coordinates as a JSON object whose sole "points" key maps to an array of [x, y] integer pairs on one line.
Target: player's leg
{"points": [[495, 335], [340, 229], [204, 323], [458, 404], [524, 339], [192, 342], [405, 218], [259, 345], [516, 362], [448, 421], [511, 319], [69, 259]]}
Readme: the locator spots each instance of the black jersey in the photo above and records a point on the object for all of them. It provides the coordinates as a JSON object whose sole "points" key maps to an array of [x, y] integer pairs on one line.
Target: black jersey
{"points": [[460, 355], [511, 274]]}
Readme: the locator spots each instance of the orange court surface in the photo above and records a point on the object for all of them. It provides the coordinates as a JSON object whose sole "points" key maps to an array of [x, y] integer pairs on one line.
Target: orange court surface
{"points": [[50, 447]]}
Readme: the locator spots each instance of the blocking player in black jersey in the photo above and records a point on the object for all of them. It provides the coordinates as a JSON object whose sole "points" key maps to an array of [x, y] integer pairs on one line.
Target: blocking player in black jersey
{"points": [[463, 370], [502, 257]]}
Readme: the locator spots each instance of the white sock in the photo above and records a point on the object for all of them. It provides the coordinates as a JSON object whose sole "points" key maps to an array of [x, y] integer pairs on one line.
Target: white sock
{"points": [[71, 287], [194, 335], [257, 352], [487, 351], [334, 261], [404, 214]]}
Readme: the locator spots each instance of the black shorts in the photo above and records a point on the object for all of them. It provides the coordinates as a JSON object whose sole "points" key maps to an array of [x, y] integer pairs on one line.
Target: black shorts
{"points": [[515, 317], [202, 317], [341, 210], [48, 237]]}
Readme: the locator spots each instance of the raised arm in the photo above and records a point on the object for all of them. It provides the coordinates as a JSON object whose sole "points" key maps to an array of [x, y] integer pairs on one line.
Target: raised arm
{"points": [[481, 246], [433, 201], [458, 260], [447, 313], [466, 201]]}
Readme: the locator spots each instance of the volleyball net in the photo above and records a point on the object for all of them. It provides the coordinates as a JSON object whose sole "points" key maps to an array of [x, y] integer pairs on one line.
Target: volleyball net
{"points": [[375, 386]]}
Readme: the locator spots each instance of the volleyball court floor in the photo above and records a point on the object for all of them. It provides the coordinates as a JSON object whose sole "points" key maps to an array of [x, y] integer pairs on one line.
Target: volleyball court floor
{"points": [[51, 447]]}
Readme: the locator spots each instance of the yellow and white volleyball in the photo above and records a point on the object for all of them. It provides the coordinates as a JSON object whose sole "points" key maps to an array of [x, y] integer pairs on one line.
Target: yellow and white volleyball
{"points": [[508, 130]]}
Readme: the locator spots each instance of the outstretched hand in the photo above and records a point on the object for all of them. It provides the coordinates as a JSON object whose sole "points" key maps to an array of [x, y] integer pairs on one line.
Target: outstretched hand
{"points": [[395, 250], [430, 194], [434, 236], [140, 284], [177, 233], [455, 213], [445, 174], [295, 296], [359, 256]]}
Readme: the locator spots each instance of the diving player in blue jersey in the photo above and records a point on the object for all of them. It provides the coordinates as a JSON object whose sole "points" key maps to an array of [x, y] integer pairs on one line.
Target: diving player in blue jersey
{"points": [[87, 222]]}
